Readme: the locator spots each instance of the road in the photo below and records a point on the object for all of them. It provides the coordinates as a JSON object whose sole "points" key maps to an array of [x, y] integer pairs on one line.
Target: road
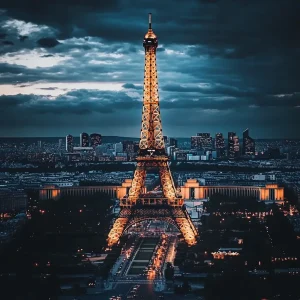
{"points": [[148, 253], [144, 292]]}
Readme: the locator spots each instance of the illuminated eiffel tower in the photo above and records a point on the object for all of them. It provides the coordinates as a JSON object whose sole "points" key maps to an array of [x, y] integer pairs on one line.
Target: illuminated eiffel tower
{"points": [[136, 206]]}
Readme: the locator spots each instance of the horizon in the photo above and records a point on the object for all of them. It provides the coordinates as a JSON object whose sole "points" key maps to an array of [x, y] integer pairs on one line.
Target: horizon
{"points": [[128, 137]]}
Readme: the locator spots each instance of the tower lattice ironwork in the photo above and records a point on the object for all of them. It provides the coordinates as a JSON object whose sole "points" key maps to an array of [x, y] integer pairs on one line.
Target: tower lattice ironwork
{"points": [[136, 206]]}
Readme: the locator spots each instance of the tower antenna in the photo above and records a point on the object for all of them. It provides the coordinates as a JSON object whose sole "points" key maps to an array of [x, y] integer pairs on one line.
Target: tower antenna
{"points": [[150, 20]]}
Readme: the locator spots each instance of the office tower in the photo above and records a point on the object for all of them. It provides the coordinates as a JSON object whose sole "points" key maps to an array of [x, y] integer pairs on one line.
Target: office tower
{"points": [[248, 144], [136, 147], [60, 143], [220, 145], [236, 146], [69, 143], [205, 141], [195, 143], [231, 154], [95, 140], [118, 147], [39, 144], [128, 146], [84, 140], [165, 140], [173, 142], [170, 150]]}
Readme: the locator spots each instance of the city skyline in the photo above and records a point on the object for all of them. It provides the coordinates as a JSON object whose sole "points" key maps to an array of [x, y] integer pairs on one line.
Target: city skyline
{"points": [[232, 66]]}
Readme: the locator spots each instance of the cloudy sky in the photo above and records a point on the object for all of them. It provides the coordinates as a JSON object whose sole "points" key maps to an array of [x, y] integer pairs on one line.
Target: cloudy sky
{"points": [[68, 66]]}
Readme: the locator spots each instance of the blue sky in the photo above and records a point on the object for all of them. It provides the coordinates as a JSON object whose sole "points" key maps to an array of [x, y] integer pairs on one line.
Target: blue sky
{"points": [[73, 66]]}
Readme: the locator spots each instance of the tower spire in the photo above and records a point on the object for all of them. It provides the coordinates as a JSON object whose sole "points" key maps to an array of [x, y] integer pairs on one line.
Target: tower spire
{"points": [[150, 21]]}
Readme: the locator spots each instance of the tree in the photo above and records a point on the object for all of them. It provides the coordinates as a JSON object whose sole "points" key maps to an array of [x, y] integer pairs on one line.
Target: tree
{"points": [[186, 288], [169, 272]]}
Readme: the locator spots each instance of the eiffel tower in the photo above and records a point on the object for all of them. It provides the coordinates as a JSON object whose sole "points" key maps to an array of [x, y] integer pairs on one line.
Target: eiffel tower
{"points": [[136, 206]]}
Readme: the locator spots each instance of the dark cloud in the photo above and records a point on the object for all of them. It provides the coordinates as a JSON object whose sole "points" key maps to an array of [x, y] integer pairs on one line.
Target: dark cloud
{"points": [[262, 25], [106, 110], [215, 103], [7, 43], [49, 89], [48, 42], [130, 86], [47, 55], [216, 89], [75, 102], [209, 1], [23, 38], [205, 112]]}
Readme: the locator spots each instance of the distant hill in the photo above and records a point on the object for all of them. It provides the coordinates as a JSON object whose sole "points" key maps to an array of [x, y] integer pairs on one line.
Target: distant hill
{"points": [[105, 139]]}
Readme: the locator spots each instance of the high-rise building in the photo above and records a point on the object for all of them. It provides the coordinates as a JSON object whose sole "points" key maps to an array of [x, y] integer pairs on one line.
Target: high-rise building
{"points": [[165, 139], [84, 140], [173, 142], [69, 143], [95, 140], [195, 143], [170, 150], [230, 148], [60, 141], [39, 144], [220, 145], [205, 141], [128, 146], [236, 146], [118, 147], [136, 147], [248, 144]]}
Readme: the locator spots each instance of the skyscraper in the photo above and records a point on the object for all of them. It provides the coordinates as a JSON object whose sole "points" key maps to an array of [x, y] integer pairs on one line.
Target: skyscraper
{"points": [[173, 142], [84, 140], [248, 144], [128, 146], [95, 140], [60, 143], [205, 141], [165, 139], [118, 148], [230, 146], [69, 143], [220, 145], [195, 142], [236, 146]]}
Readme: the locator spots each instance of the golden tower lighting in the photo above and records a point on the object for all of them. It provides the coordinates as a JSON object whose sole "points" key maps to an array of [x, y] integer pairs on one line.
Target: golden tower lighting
{"points": [[137, 207]]}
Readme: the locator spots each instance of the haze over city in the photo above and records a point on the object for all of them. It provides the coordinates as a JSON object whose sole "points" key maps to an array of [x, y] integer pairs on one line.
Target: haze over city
{"points": [[73, 66]]}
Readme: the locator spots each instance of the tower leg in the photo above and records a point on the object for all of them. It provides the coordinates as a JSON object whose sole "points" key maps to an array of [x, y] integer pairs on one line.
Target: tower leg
{"points": [[167, 182], [138, 183], [116, 231], [187, 230]]}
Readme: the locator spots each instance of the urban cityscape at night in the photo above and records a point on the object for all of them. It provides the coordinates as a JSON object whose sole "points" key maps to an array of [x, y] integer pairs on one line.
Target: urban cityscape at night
{"points": [[149, 150]]}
